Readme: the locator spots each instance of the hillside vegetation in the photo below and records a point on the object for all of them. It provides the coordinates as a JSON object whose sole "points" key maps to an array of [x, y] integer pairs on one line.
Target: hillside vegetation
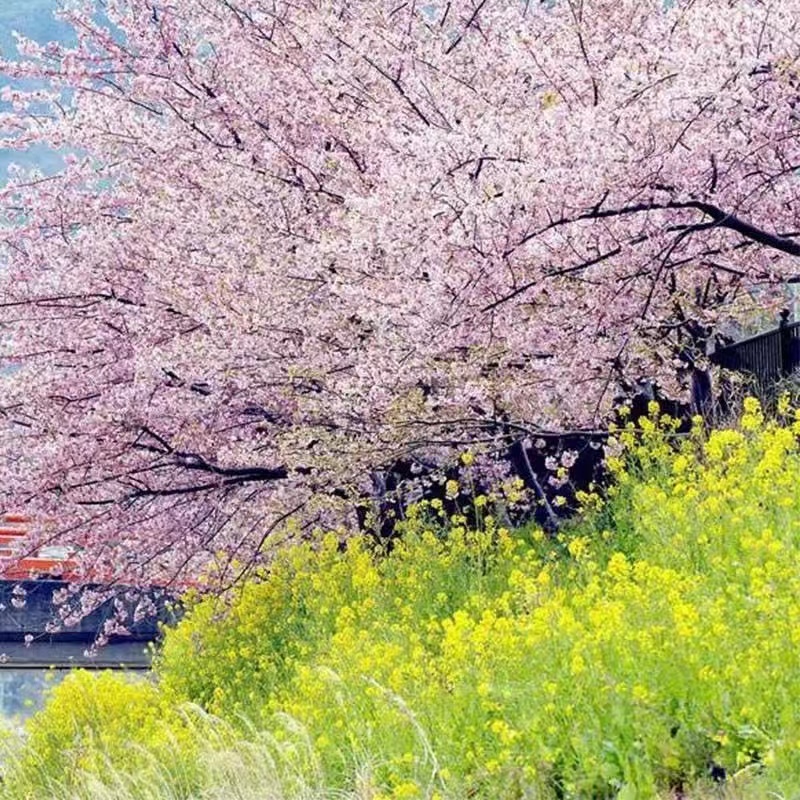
{"points": [[651, 650]]}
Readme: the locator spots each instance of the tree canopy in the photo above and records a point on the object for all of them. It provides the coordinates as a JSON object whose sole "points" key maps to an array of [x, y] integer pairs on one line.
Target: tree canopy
{"points": [[293, 241]]}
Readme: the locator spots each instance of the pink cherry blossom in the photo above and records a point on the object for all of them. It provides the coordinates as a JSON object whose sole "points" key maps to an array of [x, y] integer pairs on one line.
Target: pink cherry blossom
{"points": [[296, 241]]}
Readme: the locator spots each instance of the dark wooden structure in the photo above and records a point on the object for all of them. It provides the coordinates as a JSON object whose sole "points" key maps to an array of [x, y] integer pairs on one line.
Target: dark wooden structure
{"points": [[767, 357], [28, 641]]}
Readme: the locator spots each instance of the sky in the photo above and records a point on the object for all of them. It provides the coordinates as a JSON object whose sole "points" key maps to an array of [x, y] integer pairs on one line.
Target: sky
{"points": [[34, 18]]}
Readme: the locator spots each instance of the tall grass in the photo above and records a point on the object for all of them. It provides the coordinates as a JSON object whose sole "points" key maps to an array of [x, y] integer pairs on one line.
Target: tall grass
{"points": [[226, 766]]}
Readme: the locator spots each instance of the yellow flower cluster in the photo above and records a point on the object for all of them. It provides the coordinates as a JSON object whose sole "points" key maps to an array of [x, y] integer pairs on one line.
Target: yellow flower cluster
{"points": [[94, 720]]}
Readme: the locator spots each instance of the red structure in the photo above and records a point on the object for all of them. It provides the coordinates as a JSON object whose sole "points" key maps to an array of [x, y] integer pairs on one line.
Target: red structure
{"points": [[48, 561]]}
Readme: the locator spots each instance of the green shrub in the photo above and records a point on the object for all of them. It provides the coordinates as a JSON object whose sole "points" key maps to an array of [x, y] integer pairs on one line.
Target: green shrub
{"points": [[97, 720]]}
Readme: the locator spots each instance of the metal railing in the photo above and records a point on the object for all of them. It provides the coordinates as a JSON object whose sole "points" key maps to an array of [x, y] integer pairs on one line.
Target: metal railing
{"points": [[768, 357]]}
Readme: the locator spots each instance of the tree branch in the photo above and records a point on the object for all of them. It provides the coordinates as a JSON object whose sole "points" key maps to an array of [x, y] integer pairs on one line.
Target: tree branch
{"points": [[556, 273], [460, 36], [720, 218]]}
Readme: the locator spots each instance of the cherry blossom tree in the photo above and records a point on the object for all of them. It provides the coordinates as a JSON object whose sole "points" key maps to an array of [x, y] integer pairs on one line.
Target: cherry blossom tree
{"points": [[295, 241]]}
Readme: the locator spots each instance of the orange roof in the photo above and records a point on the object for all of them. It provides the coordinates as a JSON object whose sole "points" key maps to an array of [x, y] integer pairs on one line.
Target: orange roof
{"points": [[14, 529]]}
